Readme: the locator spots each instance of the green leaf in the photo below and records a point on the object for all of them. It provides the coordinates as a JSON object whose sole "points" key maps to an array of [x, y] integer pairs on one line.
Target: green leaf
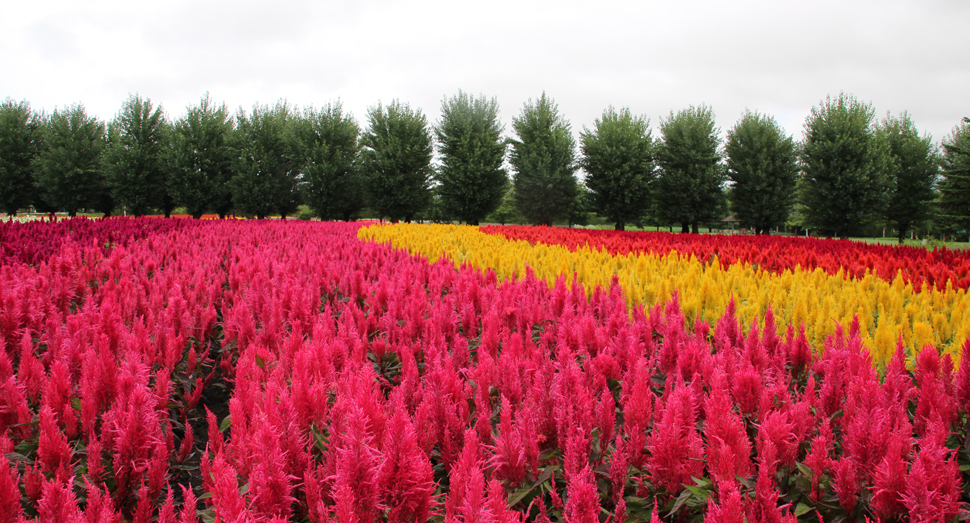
{"points": [[698, 491], [225, 423], [802, 509], [681, 499]]}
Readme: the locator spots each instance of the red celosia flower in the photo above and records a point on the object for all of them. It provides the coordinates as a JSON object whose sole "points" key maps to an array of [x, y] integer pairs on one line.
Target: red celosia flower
{"points": [[729, 510], [100, 508], [818, 459], [846, 483], [53, 452], [619, 469], [57, 503], [9, 491], [728, 448], [406, 480], [219, 479], [508, 458], [582, 503], [676, 449], [933, 485], [963, 380], [889, 479], [357, 468]]}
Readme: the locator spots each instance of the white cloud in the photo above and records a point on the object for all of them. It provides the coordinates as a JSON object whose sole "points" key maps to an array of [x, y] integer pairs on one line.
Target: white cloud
{"points": [[779, 57]]}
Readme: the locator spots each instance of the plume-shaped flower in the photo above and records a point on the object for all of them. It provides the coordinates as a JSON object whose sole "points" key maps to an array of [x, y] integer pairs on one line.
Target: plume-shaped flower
{"points": [[405, 479]]}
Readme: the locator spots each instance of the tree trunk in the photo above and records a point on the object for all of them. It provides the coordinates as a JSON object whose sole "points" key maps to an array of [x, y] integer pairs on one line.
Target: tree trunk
{"points": [[620, 225], [684, 228], [694, 228]]}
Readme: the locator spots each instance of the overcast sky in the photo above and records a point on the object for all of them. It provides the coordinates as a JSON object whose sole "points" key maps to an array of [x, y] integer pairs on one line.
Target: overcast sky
{"points": [[778, 57]]}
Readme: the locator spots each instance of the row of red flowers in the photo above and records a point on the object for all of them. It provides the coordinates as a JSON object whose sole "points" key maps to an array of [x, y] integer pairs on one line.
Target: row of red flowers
{"points": [[35, 241], [936, 267], [287, 371]]}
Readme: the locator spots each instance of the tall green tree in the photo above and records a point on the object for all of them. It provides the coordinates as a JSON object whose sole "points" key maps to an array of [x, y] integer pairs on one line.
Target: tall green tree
{"points": [[544, 160], [266, 170], [20, 143], [327, 144], [134, 160], [617, 155], [762, 163], [689, 188], [200, 159], [67, 171], [913, 171], [844, 163], [471, 148], [955, 186], [396, 161]]}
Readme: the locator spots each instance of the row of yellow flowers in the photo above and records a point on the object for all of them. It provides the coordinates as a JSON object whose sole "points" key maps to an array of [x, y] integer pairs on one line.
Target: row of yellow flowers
{"points": [[817, 300]]}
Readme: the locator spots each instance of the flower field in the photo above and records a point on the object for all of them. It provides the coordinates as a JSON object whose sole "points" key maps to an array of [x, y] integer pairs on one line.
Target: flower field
{"points": [[171, 370]]}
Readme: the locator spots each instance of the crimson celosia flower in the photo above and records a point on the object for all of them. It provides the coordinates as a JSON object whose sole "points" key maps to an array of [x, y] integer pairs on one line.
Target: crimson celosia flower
{"points": [[676, 449], [53, 452], [582, 503], [9, 491], [819, 458], [846, 483], [357, 467], [100, 508], [58, 503], [889, 478], [406, 481], [728, 449], [933, 485], [729, 509], [962, 385], [220, 480]]}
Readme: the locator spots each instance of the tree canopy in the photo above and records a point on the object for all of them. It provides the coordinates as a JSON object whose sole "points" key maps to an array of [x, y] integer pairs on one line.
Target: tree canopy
{"points": [[689, 186], [544, 160], [470, 145], [327, 143], [844, 164], [133, 161], [266, 170], [913, 171], [617, 155], [955, 187], [200, 159], [20, 143], [68, 170], [762, 164], [396, 160]]}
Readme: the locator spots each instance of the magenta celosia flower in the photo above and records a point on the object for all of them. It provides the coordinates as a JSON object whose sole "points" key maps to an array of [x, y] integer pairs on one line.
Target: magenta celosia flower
{"points": [[889, 478], [676, 449], [220, 480], [357, 468], [53, 452], [9, 491], [728, 449], [58, 503], [729, 509], [933, 485], [846, 483], [406, 481], [962, 385]]}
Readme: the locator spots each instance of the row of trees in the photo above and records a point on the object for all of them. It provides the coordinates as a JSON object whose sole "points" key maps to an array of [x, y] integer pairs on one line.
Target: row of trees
{"points": [[850, 170]]}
